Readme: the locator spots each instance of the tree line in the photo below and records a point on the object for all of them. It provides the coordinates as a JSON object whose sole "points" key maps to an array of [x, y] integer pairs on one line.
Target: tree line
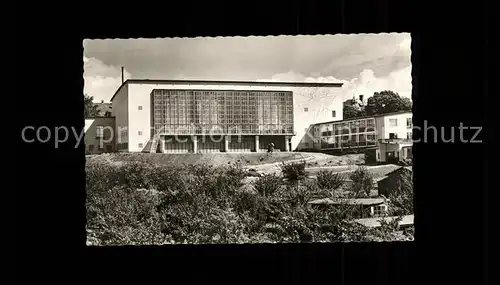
{"points": [[383, 102]]}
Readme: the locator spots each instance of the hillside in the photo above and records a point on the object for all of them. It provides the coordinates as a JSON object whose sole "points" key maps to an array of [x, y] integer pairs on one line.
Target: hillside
{"points": [[210, 158]]}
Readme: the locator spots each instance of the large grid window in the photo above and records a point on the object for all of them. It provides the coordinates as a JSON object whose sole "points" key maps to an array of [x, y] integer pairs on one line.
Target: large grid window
{"points": [[99, 132], [222, 112]]}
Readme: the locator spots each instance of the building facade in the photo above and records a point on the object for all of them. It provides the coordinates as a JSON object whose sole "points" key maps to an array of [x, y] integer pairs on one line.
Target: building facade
{"points": [[361, 133], [220, 116], [99, 135], [394, 150]]}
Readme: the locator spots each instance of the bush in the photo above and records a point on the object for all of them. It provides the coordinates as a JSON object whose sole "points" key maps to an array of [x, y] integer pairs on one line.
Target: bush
{"points": [[362, 182], [123, 216], [406, 162], [206, 204], [101, 176], [401, 197], [294, 171], [166, 178], [329, 180], [246, 201], [135, 174], [268, 184]]}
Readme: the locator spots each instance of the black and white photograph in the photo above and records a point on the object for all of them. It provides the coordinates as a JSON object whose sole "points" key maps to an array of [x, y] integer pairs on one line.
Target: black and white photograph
{"points": [[236, 140]]}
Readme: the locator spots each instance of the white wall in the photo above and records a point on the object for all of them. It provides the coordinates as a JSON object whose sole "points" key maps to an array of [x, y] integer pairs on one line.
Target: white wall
{"points": [[380, 128], [401, 129], [320, 102], [399, 147], [119, 110], [91, 134]]}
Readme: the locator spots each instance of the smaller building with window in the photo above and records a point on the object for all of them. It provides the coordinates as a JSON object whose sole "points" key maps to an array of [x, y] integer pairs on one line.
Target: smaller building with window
{"points": [[99, 135], [392, 180], [394, 150], [405, 222], [362, 132], [366, 207]]}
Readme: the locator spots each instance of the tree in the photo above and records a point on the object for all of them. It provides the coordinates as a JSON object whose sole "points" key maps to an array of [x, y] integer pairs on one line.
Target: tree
{"points": [[352, 109], [362, 182], [401, 197], [90, 107], [387, 102]]}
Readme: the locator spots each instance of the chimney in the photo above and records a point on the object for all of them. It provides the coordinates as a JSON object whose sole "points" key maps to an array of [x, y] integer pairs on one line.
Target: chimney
{"points": [[361, 98], [122, 74]]}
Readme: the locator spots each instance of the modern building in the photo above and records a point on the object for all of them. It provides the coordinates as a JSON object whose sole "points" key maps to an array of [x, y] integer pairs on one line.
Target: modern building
{"points": [[361, 132], [99, 135], [220, 116]]}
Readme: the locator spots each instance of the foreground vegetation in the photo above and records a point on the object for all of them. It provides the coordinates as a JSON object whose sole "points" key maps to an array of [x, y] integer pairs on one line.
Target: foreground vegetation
{"points": [[143, 203]]}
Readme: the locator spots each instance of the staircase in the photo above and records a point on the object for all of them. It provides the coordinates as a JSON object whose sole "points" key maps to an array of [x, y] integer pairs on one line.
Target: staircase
{"points": [[152, 145]]}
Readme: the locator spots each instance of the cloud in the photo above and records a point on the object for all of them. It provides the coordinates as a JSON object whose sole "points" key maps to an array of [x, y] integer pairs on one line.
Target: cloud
{"points": [[366, 83], [365, 63], [251, 58], [101, 80]]}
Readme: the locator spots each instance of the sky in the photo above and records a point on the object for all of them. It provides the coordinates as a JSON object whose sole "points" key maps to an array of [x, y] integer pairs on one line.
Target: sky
{"points": [[365, 63]]}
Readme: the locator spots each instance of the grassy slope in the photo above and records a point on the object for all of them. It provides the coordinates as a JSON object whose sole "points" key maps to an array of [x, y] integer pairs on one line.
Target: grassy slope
{"points": [[213, 159], [377, 172]]}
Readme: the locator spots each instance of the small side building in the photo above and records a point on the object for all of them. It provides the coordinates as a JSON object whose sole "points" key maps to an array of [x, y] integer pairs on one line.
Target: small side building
{"points": [[389, 182], [99, 135], [368, 207], [394, 150], [406, 221]]}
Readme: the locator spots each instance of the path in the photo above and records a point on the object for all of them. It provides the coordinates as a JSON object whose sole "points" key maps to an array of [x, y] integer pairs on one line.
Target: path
{"points": [[275, 167], [376, 170]]}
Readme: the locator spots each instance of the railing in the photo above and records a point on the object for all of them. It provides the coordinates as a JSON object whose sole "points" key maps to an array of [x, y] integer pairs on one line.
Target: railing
{"points": [[395, 140], [235, 132]]}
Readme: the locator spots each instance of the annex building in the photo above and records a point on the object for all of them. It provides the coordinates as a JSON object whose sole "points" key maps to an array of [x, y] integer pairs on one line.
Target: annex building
{"points": [[389, 135], [181, 116]]}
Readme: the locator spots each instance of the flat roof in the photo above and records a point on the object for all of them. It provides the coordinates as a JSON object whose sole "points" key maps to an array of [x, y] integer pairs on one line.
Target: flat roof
{"points": [[349, 201], [375, 222], [100, 117], [217, 82], [409, 168], [364, 117]]}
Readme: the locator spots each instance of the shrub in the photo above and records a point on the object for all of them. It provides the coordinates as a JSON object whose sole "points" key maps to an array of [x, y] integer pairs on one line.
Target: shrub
{"points": [[123, 216], [245, 200], [329, 180], [406, 162], [206, 204], [166, 178], [294, 171], [401, 197], [311, 186], [135, 174], [362, 182], [101, 176], [268, 184], [297, 196], [236, 173], [200, 170]]}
